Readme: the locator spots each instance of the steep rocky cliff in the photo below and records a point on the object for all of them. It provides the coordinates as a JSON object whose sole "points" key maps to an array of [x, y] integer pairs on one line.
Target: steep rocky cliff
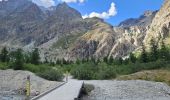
{"points": [[105, 40], [160, 27]]}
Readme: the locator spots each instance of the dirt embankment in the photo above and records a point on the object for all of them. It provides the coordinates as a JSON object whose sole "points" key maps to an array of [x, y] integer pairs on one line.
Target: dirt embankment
{"points": [[14, 83]]}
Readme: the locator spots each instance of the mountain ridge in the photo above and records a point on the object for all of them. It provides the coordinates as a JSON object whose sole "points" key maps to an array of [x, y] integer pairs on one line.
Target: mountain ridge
{"points": [[62, 32]]}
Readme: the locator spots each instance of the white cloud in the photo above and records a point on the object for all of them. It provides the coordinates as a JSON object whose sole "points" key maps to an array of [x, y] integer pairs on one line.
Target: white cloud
{"points": [[105, 15], [45, 3], [3, 0], [72, 1]]}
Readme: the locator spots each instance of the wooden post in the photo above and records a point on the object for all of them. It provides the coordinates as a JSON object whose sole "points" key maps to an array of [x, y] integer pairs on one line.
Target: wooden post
{"points": [[28, 87]]}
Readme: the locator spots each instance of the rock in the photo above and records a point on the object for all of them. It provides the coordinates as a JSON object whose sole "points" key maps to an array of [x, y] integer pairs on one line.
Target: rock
{"points": [[160, 25]]}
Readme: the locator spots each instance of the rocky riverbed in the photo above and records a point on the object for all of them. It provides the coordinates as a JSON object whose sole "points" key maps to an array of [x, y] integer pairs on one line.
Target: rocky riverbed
{"points": [[128, 90], [13, 84]]}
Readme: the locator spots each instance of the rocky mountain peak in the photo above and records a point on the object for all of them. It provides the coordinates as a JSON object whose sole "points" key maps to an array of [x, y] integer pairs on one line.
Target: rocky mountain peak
{"points": [[149, 13], [63, 5], [63, 11], [144, 20]]}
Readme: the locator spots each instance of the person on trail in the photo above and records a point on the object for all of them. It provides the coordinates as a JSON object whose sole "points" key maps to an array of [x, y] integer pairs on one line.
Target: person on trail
{"points": [[67, 76]]}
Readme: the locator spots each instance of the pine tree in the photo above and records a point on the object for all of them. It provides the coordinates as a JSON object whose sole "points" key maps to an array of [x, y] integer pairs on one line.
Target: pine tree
{"points": [[19, 60], [93, 60], [58, 62], [105, 59], [64, 61], [143, 57], [4, 55], [77, 61], [111, 60], [46, 61], [164, 53], [132, 58], [35, 58], [154, 50], [120, 61]]}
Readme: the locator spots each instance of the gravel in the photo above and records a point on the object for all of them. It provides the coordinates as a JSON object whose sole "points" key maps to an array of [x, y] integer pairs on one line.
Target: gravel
{"points": [[13, 84], [128, 90]]}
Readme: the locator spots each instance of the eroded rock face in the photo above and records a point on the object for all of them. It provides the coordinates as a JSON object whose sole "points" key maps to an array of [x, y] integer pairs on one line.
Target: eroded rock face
{"points": [[104, 40], [161, 24], [96, 42]]}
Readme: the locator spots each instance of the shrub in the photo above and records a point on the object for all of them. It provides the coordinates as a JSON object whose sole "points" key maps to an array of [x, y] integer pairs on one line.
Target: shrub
{"points": [[89, 71], [3, 66], [83, 73], [106, 73], [52, 74]]}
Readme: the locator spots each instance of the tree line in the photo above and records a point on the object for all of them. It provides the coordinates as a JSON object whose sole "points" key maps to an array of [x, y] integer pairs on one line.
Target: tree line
{"points": [[17, 58], [157, 51]]}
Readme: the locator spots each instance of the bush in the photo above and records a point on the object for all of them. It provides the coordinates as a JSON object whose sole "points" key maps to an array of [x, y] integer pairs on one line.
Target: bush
{"points": [[52, 74], [83, 72], [89, 71], [105, 73], [36, 68], [3, 66]]}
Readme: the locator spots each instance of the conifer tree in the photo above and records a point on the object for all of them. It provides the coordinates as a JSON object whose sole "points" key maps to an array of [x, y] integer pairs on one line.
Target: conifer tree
{"points": [[132, 58], [105, 59], [153, 50], [19, 60], [4, 55], [164, 53], [111, 60], [143, 57], [35, 58]]}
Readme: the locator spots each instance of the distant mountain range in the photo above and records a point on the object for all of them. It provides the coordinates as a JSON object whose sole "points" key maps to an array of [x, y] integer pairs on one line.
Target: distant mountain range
{"points": [[61, 32]]}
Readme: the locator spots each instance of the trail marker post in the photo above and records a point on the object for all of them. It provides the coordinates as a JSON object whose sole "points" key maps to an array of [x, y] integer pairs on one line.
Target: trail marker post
{"points": [[28, 87]]}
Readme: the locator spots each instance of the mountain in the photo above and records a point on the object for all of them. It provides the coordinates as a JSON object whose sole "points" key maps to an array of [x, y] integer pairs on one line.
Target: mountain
{"points": [[61, 32], [19, 19], [144, 20], [160, 27]]}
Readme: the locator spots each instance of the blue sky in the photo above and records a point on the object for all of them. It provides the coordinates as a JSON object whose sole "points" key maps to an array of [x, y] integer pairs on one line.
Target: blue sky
{"points": [[121, 10]]}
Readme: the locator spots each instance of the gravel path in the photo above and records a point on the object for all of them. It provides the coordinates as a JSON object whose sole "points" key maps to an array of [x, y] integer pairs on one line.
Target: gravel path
{"points": [[128, 90]]}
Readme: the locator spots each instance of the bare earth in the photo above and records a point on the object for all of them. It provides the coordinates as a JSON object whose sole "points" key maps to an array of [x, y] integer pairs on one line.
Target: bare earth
{"points": [[13, 83], [128, 90]]}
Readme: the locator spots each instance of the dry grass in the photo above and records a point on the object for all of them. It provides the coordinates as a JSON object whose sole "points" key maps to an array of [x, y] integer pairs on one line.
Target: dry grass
{"points": [[151, 75]]}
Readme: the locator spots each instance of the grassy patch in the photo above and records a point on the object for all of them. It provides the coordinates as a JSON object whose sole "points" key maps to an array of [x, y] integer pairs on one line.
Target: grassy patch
{"points": [[160, 75]]}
